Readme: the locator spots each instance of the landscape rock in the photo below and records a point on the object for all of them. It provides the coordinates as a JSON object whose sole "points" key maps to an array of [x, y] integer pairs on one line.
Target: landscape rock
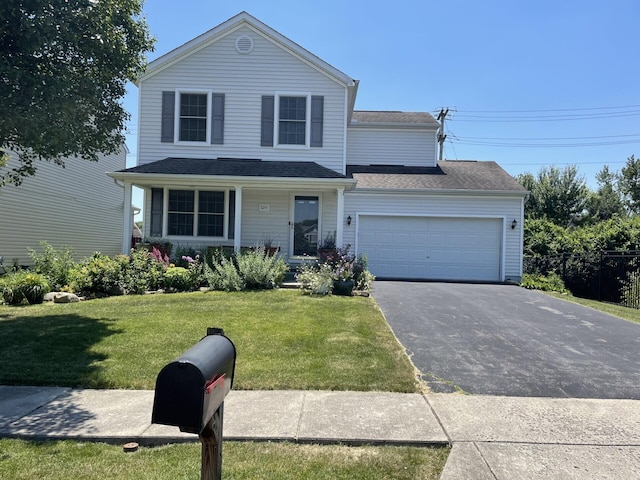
{"points": [[63, 297]]}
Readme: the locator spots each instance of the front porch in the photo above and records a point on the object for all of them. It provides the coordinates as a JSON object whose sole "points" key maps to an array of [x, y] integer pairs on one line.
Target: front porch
{"points": [[292, 212]]}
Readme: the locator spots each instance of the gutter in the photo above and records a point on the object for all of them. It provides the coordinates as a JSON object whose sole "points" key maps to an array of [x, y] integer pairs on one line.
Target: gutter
{"points": [[258, 182]]}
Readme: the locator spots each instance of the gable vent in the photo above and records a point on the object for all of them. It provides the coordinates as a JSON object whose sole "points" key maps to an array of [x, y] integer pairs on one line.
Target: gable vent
{"points": [[244, 44]]}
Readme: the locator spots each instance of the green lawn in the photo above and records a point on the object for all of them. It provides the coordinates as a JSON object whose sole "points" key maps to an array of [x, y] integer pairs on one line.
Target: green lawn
{"points": [[64, 460], [626, 313], [284, 340]]}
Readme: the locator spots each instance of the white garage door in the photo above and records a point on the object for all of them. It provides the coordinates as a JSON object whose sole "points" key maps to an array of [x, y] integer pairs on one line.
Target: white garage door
{"points": [[436, 248]]}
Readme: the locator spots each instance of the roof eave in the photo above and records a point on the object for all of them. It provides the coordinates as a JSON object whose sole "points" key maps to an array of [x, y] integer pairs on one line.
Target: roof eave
{"points": [[391, 125], [439, 191], [203, 180]]}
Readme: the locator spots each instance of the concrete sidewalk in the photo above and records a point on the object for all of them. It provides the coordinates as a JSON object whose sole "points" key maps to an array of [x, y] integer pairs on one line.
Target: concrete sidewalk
{"points": [[492, 437]]}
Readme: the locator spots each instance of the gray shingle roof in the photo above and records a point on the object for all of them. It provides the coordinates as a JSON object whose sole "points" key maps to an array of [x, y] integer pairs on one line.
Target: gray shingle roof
{"points": [[234, 167], [448, 175], [393, 117]]}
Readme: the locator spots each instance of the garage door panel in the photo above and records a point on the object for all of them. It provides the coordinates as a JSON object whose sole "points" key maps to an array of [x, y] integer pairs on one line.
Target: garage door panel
{"points": [[442, 248]]}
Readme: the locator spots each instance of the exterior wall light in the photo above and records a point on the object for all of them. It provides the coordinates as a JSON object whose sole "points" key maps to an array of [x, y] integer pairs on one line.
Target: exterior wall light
{"points": [[514, 224], [349, 220]]}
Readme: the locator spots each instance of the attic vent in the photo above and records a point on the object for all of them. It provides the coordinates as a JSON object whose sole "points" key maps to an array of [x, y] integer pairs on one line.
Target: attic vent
{"points": [[244, 44]]}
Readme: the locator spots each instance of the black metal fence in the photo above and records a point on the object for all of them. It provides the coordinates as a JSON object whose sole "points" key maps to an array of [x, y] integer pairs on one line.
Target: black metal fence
{"points": [[607, 276]]}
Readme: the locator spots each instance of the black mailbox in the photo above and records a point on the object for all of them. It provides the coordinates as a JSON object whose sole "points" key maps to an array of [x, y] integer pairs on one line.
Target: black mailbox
{"points": [[190, 389]]}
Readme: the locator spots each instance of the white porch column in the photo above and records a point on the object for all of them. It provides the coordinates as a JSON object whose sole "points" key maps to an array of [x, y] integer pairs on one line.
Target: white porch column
{"points": [[128, 219], [339, 217], [238, 220]]}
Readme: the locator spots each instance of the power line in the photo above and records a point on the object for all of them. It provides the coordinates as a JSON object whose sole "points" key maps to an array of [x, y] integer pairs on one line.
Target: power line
{"points": [[544, 145], [550, 110], [552, 138], [541, 118]]}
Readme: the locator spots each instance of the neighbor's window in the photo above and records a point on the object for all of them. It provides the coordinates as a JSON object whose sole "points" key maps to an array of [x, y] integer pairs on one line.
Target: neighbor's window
{"points": [[193, 117], [292, 122]]}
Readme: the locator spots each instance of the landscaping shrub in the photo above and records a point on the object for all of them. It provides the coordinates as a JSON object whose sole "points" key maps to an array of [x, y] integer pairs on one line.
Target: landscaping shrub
{"points": [[260, 271], [338, 266], [316, 278], [179, 279], [223, 275], [55, 265], [549, 283], [248, 270], [143, 272], [24, 285], [100, 275]]}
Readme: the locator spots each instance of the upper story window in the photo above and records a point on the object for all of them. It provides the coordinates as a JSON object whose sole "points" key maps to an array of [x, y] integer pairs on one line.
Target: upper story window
{"points": [[192, 117], [292, 120]]}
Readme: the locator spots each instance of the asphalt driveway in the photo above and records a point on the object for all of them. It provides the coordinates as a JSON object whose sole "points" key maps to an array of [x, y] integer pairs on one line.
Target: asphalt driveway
{"points": [[506, 340]]}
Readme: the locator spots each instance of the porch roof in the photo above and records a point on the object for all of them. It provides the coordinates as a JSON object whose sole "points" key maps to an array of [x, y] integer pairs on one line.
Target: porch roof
{"points": [[449, 175], [234, 167], [255, 172]]}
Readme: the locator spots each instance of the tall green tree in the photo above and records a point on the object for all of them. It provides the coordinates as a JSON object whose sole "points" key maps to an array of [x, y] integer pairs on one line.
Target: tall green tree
{"points": [[606, 202], [557, 195], [629, 181], [64, 65]]}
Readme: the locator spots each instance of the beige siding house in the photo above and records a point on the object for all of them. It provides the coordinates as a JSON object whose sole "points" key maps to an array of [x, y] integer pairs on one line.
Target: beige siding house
{"points": [[245, 136], [78, 206]]}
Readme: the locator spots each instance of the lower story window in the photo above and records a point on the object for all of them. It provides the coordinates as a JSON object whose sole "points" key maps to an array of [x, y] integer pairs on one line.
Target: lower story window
{"points": [[211, 214], [180, 219], [196, 213]]}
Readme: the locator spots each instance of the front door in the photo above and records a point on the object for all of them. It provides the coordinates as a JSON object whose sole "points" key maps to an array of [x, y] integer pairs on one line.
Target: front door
{"points": [[306, 226]]}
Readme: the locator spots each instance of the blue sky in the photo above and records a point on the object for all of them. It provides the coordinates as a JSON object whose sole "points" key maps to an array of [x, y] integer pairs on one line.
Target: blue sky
{"points": [[529, 83]]}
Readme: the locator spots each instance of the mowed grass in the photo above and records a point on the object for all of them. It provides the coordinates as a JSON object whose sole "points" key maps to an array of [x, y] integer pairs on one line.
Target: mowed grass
{"points": [[284, 340], [626, 313], [65, 459]]}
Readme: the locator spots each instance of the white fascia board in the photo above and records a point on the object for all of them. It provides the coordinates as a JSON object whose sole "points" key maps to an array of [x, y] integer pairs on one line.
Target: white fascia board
{"points": [[253, 182], [228, 27], [433, 191]]}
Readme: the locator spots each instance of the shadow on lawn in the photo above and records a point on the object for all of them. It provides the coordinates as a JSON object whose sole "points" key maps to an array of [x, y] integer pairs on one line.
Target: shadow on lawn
{"points": [[53, 350]]}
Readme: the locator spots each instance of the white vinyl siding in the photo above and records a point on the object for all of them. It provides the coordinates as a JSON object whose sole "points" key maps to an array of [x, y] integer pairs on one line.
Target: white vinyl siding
{"points": [[369, 146], [507, 208], [244, 79], [79, 206]]}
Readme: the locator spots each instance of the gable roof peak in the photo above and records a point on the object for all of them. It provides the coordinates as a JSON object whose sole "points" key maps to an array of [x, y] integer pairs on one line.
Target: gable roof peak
{"points": [[243, 18]]}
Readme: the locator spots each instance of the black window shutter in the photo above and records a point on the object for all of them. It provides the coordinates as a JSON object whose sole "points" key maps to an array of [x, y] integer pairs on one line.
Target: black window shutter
{"points": [[217, 119], [156, 212], [266, 132], [168, 111], [317, 118]]}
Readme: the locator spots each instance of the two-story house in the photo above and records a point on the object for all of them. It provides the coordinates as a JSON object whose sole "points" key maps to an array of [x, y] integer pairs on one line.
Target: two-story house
{"points": [[245, 136]]}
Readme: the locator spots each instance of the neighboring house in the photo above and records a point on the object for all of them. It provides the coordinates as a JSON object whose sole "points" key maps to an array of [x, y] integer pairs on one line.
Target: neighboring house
{"points": [[78, 206], [245, 135]]}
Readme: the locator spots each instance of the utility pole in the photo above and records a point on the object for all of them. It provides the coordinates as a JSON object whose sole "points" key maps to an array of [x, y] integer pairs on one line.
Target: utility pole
{"points": [[441, 135]]}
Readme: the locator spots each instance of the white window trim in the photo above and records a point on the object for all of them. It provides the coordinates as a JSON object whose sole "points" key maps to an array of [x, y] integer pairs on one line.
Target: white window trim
{"points": [[196, 198], [276, 121], [176, 119]]}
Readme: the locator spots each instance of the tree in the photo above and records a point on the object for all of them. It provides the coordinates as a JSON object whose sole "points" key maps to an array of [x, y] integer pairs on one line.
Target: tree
{"points": [[558, 195], [629, 181], [64, 65], [606, 202]]}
